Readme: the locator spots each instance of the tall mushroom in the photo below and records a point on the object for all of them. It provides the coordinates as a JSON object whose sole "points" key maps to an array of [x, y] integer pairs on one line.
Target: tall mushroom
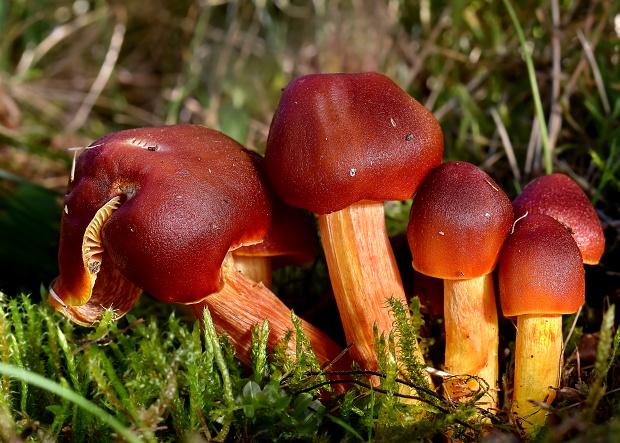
{"points": [[558, 196], [159, 209], [541, 277], [339, 146], [458, 223]]}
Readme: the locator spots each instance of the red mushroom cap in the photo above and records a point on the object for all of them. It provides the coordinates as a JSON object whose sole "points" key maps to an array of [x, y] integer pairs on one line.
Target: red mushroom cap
{"points": [[459, 220], [178, 199], [291, 240], [337, 139], [558, 196], [540, 269]]}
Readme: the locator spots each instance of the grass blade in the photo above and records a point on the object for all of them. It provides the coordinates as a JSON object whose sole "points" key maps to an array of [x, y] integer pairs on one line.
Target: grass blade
{"points": [[68, 394], [544, 134], [606, 353]]}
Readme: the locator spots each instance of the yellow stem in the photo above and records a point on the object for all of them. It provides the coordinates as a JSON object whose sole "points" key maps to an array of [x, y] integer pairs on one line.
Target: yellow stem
{"points": [[255, 268], [538, 358], [470, 314]]}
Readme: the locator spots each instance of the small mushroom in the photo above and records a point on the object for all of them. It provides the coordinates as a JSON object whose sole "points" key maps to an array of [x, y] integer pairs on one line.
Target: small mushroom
{"points": [[458, 223], [290, 241], [159, 209], [558, 196], [339, 146], [541, 277]]}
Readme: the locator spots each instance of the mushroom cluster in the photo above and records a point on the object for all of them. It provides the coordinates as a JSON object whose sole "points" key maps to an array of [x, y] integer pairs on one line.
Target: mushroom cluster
{"points": [[189, 216]]}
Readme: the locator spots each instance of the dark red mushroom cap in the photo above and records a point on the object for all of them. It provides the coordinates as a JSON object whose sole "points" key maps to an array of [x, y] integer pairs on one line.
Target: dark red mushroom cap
{"points": [[459, 220], [178, 198], [540, 269], [558, 196], [291, 241], [337, 139]]}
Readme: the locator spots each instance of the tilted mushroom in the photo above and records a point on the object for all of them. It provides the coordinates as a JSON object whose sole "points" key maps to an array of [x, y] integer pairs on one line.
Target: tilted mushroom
{"points": [[339, 146], [541, 277], [159, 209], [290, 241], [458, 223]]}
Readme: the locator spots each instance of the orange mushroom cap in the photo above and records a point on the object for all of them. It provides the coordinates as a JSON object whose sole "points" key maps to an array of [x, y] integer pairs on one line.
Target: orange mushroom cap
{"points": [[165, 205], [540, 269], [336, 139], [458, 223], [558, 196]]}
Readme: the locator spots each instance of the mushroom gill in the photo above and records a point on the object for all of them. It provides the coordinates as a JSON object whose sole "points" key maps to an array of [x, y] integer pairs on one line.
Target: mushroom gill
{"points": [[92, 247]]}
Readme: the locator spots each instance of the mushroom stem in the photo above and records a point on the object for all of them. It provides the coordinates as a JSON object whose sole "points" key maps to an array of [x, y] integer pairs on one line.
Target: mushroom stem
{"points": [[363, 273], [538, 356], [255, 268], [472, 336], [242, 304]]}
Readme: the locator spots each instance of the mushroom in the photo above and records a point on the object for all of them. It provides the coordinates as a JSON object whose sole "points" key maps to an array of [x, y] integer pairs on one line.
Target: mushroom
{"points": [[339, 146], [558, 196], [290, 241], [541, 277], [458, 223], [159, 209]]}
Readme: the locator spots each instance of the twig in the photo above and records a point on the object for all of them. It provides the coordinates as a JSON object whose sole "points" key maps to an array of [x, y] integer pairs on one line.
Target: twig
{"points": [[555, 119], [595, 35], [396, 394], [418, 59], [102, 78], [30, 57], [533, 149], [470, 87], [572, 328], [598, 78], [607, 221], [438, 85], [503, 133], [378, 374]]}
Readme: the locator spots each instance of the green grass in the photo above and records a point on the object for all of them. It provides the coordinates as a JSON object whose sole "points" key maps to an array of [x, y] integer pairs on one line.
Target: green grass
{"points": [[34, 379], [520, 89], [167, 382]]}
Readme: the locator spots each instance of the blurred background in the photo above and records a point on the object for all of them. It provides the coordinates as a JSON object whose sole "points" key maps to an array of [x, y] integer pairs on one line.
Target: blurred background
{"points": [[73, 71]]}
